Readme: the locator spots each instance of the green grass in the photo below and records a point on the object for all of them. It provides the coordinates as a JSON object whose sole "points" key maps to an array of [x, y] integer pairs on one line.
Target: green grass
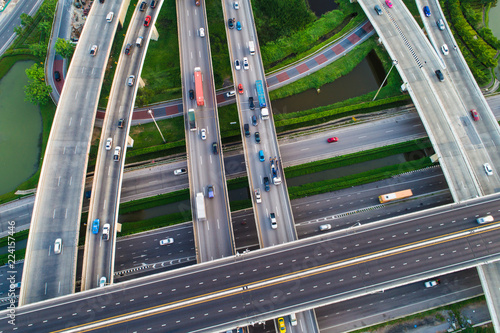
{"points": [[358, 157], [331, 26], [433, 312]]}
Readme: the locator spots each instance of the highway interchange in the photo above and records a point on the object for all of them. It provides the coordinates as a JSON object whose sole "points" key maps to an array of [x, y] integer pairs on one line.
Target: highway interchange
{"points": [[287, 236]]}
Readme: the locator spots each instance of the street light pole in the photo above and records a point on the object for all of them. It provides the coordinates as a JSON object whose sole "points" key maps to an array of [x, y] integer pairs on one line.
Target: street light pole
{"points": [[394, 63], [153, 117]]}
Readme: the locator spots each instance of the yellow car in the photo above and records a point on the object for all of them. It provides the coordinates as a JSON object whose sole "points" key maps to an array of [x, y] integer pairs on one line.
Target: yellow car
{"points": [[281, 324]]}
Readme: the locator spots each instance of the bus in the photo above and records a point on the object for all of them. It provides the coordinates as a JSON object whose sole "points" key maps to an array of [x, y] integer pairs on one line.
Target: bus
{"points": [[198, 83], [395, 196]]}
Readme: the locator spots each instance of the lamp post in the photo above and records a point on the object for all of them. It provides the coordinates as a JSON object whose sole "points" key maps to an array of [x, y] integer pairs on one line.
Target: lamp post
{"points": [[153, 117], [394, 63]]}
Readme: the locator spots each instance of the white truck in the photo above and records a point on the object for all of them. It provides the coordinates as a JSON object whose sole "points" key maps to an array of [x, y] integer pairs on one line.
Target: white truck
{"points": [[275, 175], [200, 207]]}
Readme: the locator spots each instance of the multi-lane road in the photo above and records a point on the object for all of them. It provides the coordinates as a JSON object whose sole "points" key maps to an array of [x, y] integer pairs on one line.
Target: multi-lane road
{"points": [[213, 235], [282, 279], [57, 208]]}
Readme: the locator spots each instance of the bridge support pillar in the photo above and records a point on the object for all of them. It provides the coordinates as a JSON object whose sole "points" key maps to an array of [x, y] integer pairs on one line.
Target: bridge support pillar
{"points": [[154, 34]]}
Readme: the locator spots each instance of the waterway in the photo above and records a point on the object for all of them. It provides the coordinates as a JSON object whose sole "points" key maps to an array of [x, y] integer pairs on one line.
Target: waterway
{"points": [[364, 78], [20, 130], [494, 25], [319, 7]]}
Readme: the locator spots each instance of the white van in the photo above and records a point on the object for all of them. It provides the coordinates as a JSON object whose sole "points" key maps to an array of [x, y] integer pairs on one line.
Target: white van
{"points": [[138, 42], [293, 319], [485, 219], [109, 17], [251, 47]]}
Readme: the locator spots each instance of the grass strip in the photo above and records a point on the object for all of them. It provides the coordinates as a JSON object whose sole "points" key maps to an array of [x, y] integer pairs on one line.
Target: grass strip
{"points": [[158, 200], [433, 312], [18, 236], [330, 185], [358, 157]]}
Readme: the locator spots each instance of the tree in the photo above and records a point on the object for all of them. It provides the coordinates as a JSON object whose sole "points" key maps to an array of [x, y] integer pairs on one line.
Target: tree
{"points": [[38, 49], [64, 48], [18, 30], [44, 27], [26, 20], [37, 91]]}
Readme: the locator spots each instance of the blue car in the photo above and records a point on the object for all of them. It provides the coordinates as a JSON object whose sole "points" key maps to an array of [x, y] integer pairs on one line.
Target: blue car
{"points": [[95, 226], [238, 26], [261, 155], [427, 11]]}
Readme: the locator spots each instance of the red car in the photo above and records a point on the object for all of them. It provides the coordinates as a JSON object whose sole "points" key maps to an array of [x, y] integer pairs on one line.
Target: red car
{"points": [[474, 114], [334, 139], [147, 21], [240, 88]]}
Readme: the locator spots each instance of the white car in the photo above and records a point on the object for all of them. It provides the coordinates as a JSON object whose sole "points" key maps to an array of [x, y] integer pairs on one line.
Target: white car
{"points": [[325, 227], [445, 49], [488, 169], [58, 246], [131, 80], [93, 50], [245, 63], [258, 198], [236, 5], [203, 134], [274, 224], [202, 32], [109, 141], [116, 155], [180, 172], [105, 231], [102, 282], [231, 93], [432, 283], [237, 65], [166, 241]]}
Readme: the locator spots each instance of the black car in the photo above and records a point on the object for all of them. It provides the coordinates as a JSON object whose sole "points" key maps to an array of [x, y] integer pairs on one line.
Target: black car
{"points": [[266, 184], [121, 122], [247, 130], [440, 75], [101, 1], [191, 94], [127, 49], [153, 4], [215, 148], [57, 76], [257, 137], [252, 105], [143, 6], [230, 23]]}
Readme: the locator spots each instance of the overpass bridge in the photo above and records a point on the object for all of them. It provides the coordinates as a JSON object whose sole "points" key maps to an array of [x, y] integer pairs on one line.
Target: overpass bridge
{"points": [[57, 208], [275, 281]]}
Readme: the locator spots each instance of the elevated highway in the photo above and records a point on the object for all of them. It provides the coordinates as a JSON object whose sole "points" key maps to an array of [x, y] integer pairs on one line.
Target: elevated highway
{"points": [[57, 208], [98, 260], [462, 145], [271, 282], [213, 234]]}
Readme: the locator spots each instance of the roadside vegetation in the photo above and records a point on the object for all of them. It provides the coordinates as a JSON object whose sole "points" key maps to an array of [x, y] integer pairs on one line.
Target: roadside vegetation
{"points": [[294, 191], [442, 314], [476, 41]]}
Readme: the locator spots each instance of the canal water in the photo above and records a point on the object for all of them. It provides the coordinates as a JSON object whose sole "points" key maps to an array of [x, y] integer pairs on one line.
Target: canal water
{"points": [[20, 130], [364, 78], [494, 25]]}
